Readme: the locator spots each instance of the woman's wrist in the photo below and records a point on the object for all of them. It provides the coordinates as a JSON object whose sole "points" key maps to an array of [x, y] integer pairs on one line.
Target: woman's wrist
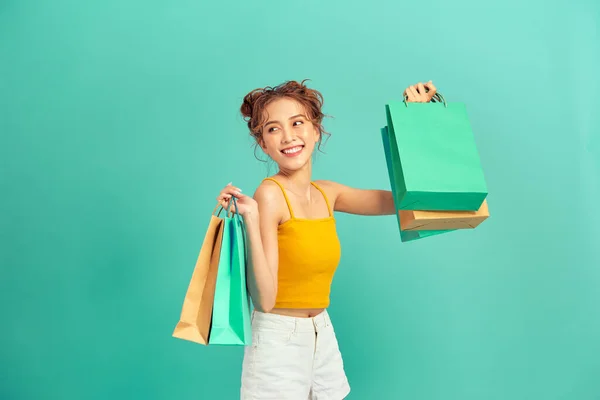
{"points": [[251, 217]]}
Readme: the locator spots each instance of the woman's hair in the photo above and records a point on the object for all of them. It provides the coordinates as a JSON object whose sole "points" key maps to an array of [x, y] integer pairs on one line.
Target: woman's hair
{"points": [[255, 102]]}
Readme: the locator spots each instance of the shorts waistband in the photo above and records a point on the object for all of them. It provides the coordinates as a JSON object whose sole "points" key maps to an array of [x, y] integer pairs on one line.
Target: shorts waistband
{"points": [[288, 323]]}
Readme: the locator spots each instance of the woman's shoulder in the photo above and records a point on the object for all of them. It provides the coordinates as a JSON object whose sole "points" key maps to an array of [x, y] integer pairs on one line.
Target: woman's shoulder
{"points": [[269, 192], [331, 187], [271, 201], [325, 183], [268, 187]]}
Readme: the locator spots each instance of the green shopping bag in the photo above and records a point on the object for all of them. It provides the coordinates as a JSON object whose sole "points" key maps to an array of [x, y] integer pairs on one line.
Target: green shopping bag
{"points": [[437, 165], [231, 323], [389, 148]]}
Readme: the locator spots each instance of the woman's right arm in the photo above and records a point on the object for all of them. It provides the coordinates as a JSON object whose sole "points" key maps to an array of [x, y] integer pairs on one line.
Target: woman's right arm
{"points": [[263, 253], [261, 217]]}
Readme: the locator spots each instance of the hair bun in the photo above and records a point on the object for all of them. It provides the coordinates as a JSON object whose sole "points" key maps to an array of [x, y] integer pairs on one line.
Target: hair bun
{"points": [[247, 107]]}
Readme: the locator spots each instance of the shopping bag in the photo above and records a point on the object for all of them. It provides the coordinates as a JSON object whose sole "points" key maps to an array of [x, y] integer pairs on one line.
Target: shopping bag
{"points": [[231, 323], [194, 322], [435, 220], [391, 161], [436, 162], [409, 236]]}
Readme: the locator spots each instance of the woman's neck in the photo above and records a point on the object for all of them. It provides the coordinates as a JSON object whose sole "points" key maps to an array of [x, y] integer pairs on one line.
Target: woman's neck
{"points": [[298, 181]]}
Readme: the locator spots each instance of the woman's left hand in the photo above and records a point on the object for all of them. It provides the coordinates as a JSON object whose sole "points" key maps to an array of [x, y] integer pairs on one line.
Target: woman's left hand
{"points": [[420, 93]]}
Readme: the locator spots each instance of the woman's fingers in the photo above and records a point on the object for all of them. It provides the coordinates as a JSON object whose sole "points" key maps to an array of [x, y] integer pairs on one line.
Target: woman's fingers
{"points": [[235, 193], [423, 95], [432, 89], [412, 93], [224, 198], [421, 92], [230, 190]]}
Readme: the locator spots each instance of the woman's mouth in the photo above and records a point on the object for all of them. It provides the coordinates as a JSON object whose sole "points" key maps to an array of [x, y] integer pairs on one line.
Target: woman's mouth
{"points": [[292, 151]]}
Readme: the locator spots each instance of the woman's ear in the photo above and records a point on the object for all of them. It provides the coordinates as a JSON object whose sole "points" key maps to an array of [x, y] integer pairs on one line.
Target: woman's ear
{"points": [[262, 144]]}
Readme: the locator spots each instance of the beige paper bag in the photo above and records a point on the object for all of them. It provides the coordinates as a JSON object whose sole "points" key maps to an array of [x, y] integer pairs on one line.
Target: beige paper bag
{"points": [[196, 313], [442, 220]]}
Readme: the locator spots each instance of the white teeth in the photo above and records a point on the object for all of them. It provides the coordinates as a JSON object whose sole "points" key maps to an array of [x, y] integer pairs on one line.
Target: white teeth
{"points": [[292, 150]]}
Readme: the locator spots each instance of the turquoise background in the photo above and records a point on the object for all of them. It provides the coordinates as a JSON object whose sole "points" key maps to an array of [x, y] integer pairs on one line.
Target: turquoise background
{"points": [[120, 124]]}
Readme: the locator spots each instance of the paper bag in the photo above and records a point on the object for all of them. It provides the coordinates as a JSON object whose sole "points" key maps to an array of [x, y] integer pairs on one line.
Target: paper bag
{"points": [[435, 158], [409, 236], [436, 220], [231, 324], [388, 147], [196, 313]]}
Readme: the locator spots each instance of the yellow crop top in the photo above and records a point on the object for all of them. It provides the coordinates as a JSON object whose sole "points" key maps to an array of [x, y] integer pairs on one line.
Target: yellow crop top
{"points": [[309, 253]]}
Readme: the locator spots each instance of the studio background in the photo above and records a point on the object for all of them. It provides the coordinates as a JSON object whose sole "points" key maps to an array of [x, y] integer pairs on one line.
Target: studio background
{"points": [[120, 123]]}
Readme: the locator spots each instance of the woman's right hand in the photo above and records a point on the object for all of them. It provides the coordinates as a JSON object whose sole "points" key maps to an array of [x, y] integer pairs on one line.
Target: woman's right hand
{"points": [[246, 205]]}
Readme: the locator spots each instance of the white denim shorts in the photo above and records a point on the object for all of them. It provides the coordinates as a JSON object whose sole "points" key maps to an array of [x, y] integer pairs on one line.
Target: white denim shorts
{"points": [[293, 359]]}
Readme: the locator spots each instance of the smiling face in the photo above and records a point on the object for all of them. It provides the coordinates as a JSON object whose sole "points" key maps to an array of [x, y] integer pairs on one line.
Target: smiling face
{"points": [[288, 135]]}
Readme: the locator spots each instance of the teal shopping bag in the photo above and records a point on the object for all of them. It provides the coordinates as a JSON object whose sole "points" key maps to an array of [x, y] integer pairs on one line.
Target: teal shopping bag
{"points": [[389, 150], [231, 323], [436, 163]]}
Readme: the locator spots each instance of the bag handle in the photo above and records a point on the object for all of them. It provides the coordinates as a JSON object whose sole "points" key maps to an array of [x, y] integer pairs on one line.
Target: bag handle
{"points": [[229, 212], [237, 212], [437, 98]]}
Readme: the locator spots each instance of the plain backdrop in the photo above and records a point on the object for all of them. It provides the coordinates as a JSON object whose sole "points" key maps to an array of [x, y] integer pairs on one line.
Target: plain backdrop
{"points": [[119, 124]]}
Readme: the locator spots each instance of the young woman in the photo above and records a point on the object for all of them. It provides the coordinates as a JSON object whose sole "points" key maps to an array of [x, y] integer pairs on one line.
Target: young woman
{"points": [[294, 249]]}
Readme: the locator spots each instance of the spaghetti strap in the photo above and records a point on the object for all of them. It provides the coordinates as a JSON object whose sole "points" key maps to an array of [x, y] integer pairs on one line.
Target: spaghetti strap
{"points": [[325, 197], [287, 201]]}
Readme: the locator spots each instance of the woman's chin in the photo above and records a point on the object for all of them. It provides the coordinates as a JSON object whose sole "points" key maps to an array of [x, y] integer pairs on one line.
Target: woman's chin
{"points": [[292, 164]]}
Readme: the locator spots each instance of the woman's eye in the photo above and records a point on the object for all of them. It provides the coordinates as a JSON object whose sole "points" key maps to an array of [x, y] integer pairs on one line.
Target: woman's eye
{"points": [[272, 129], [297, 122]]}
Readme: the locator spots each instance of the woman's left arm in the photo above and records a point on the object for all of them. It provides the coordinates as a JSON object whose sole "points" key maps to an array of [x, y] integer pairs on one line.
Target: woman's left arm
{"points": [[359, 201], [367, 201]]}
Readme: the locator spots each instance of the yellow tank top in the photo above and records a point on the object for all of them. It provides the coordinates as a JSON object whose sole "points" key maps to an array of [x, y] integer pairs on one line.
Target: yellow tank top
{"points": [[309, 253]]}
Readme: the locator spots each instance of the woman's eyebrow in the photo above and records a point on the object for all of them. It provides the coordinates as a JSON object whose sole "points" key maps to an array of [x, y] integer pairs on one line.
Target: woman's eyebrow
{"points": [[277, 122]]}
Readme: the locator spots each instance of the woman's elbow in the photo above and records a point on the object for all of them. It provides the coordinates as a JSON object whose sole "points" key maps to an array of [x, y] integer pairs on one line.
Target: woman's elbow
{"points": [[266, 305]]}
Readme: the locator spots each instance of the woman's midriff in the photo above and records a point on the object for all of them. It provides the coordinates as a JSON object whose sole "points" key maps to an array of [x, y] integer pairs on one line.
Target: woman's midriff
{"points": [[298, 312]]}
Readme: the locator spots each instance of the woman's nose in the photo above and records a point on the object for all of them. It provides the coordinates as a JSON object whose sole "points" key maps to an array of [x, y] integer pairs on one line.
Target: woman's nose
{"points": [[286, 136]]}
